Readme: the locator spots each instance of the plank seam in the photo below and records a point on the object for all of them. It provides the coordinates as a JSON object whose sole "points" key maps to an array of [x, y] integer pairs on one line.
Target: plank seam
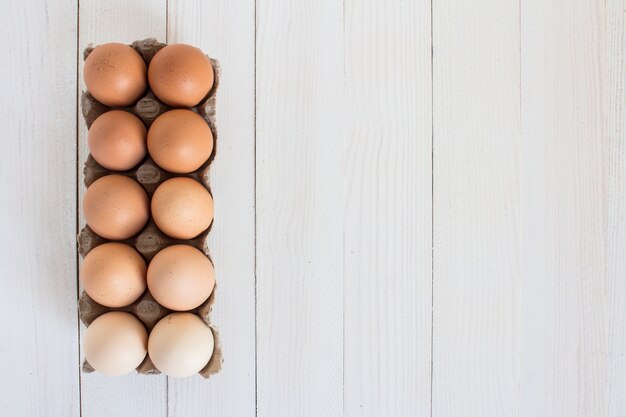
{"points": [[519, 191], [167, 35], [432, 208], [256, 309], [77, 202], [343, 241]]}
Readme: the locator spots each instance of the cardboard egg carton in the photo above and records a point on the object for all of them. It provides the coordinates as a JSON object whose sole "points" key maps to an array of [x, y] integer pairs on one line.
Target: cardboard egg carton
{"points": [[150, 239]]}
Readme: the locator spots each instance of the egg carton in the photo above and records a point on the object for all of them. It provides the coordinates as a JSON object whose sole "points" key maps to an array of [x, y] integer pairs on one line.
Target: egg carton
{"points": [[150, 239]]}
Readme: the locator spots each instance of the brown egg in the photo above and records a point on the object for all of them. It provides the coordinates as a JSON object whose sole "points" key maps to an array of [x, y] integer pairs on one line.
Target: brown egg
{"points": [[115, 74], [180, 277], [116, 207], [180, 75], [182, 208], [180, 345], [113, 274], [180, 141], [115, 343], [117, 140]]}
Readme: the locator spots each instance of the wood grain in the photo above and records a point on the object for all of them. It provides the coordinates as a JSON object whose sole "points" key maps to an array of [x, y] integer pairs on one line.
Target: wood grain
{"points": [[615, 400], [563, 212], [225, 30], [387, 238], [300, 134], [101, 22], [476, 143], [518, 223], [39, 348]]}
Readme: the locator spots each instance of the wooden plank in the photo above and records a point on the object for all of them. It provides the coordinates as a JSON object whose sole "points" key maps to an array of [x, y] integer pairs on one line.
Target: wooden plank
{"points": [[476, 264], [39, 347], [101, 22], [388, 245], [225, 29], [300, 133], [616, 206], [564, 208]]}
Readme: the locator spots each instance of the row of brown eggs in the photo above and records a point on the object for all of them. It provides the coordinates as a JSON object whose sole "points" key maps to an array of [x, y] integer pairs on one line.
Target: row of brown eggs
{"points": [[179, 141], [179, 277], [116, 207], [179, 75], [179, 345]]}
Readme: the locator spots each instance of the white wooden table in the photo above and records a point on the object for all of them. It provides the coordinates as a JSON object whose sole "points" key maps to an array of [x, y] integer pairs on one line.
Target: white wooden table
{"points": [[420, 207]]}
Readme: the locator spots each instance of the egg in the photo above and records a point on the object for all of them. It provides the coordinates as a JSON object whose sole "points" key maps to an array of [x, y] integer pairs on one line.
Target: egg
{"points": [[182, 208], [116, 207], [113, 274], [115, 74], [117, 140], [180, 141], [180, 75], [115, 343], [180, 277], [180, 345]]}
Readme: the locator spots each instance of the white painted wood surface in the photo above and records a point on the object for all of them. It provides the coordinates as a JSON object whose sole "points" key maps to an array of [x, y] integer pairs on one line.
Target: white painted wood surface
{"points": [[387, 194], [299, 163], [476, 230], [564, 211], [395, 235], [39, 341], [615, 232]]}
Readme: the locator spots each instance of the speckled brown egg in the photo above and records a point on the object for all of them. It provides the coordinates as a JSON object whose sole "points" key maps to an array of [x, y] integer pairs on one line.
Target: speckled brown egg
{"points": [[182, 208], [115, 343], [180, 141], [115, 74], [180, 277], [117, 140], [116, 207], [180, 345], [180, 75], [113, 274]]}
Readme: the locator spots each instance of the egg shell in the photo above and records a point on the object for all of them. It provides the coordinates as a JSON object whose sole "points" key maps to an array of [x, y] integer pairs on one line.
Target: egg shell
{"points": [[180, 277], [182, 208], [180, 141], [115, 343], [116, 207], [180, 345], [114, 274], [117, 140], [115, 74], [180, 75]]}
